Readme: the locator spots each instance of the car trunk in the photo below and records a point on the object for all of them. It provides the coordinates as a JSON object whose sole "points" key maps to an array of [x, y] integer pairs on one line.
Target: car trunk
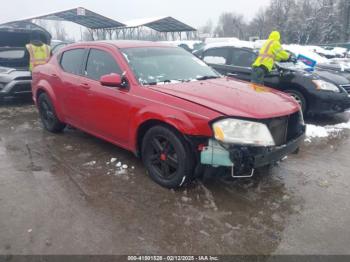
{"points": [[13, 41]]}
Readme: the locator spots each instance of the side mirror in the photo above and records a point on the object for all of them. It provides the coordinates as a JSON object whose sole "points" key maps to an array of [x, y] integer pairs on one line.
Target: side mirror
{"points": [[112, 80]]}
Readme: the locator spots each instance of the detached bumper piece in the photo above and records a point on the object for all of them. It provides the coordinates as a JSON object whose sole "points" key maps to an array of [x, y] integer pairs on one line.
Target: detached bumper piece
{"points": [[330, 103]]}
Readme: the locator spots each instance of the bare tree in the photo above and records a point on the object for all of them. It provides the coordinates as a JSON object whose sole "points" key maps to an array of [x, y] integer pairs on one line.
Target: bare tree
{"points": [[304, 21], [60, 31], [231, 25], [207, 28]]}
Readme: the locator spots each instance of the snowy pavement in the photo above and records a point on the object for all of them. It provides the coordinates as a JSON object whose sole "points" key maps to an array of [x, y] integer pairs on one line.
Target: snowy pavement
{"points": [[74, 194]]}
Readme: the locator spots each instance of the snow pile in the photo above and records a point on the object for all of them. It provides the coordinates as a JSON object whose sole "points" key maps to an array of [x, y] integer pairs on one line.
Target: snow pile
{"points": [[190, 43], [340, 51], [210, 40], [344, 63], [302, 50], [91, 163], [321, 50], [314, 131], [234, 43]]}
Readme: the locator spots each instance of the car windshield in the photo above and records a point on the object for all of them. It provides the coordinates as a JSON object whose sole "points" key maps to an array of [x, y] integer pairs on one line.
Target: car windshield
{"points": [[12, 54], [162, 65], [298, 66]]}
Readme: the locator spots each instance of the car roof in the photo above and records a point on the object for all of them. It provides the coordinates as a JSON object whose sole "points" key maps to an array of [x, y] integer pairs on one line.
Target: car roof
{"points": [[122, 44], [238, 45]]}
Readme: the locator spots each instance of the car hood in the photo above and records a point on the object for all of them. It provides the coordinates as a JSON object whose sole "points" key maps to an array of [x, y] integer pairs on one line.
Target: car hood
{"points": [[233, 98], [319, 73], [332, 77]]}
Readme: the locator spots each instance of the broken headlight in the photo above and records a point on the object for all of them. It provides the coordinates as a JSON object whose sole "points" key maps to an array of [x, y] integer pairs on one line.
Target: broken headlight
{"points": [[238, 131]]}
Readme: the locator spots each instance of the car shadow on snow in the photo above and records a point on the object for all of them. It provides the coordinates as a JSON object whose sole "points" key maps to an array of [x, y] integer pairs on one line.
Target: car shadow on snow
{"points": [[324, 120]]}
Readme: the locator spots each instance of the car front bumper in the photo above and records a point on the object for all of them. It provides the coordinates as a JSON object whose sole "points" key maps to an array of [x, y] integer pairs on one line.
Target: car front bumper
{"points": [[243, 159], [328, 103], [16, 88]]}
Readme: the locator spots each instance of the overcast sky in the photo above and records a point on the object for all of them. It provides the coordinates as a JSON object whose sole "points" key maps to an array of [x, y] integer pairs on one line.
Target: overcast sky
{"points": [[193, 12]]}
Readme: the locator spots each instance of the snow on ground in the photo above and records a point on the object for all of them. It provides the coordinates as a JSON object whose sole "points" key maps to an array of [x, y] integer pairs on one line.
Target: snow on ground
{"points": [[314, 131]]}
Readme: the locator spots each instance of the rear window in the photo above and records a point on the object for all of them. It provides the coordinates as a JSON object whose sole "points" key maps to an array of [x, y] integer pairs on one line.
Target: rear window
{"points": [[12, 54], [72, 60], [218, 56]]}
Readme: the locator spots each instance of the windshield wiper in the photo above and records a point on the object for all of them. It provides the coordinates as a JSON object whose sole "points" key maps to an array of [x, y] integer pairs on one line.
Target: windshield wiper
{"points": [[157, 82], [206, 77], [165, 82]]}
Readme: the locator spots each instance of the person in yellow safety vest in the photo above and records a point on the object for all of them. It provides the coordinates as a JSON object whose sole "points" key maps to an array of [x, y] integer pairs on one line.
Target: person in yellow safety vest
{"points": [[39, 52], [270, 52]]}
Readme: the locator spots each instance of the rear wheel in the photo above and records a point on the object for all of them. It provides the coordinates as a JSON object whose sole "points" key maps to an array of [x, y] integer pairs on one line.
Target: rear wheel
{"points": [[299, 97], [48, 115], [167, 157]]}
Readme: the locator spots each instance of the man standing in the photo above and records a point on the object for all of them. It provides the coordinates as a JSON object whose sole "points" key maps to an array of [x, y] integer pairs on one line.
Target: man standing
{"points": [[38, 51], [270, 52]]}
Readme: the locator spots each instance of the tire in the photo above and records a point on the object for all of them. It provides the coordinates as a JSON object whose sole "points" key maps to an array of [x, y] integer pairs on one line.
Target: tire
{"points": [[299, 97], [48, 115], [167, 157]]}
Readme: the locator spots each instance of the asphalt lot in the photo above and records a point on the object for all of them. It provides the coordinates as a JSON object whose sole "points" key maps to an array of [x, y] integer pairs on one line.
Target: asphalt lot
{"points": [[60, 194]]}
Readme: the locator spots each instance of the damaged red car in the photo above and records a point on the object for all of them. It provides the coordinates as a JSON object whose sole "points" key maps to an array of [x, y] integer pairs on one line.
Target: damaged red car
{"points": [[168, 107]]}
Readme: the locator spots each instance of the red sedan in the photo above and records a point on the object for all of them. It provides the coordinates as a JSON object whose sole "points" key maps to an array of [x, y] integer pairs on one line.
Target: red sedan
{"points": [[166, 106]]}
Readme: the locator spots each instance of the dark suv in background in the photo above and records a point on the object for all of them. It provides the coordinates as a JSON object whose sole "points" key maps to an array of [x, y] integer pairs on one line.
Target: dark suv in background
{"points": [[318, 92], [15, 78]]}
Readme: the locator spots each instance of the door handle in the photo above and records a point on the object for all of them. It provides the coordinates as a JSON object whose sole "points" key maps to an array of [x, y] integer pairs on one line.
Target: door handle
{"points": [[54, 76], [85, 86], [231, 74]]}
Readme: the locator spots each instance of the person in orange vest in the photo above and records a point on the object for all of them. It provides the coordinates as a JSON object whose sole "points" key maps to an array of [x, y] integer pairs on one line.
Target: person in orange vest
{"points": [[271, 52], [39, 52]]}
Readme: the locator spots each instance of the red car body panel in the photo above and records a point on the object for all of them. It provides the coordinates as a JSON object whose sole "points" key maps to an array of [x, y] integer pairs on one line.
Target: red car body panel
{"points": [[116, 114], [233, 98]]}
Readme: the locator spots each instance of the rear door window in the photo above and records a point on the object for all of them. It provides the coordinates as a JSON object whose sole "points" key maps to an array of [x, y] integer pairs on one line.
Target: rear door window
{"points": [[100, 63], [243, 58], [72, 60], [217, 56]]}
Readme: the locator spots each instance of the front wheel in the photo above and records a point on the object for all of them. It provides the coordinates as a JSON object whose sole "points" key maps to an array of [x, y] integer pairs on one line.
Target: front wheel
{"points": [[299, 97], [167, 157], [48, 115]]}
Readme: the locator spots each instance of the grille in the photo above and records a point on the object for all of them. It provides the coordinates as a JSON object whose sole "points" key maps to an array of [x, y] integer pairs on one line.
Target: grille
{"points": [[23, 78], [22, 88], [284, 129], [346, 87], [278, 128]]}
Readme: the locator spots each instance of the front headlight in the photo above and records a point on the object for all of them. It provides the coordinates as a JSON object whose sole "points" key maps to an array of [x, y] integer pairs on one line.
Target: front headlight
{"points": [[243, 132], [324, 85]]}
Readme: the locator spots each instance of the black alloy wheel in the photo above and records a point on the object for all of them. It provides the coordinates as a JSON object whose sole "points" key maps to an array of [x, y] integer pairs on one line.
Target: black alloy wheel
{"points": [[167, 157], [48, 115]]}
